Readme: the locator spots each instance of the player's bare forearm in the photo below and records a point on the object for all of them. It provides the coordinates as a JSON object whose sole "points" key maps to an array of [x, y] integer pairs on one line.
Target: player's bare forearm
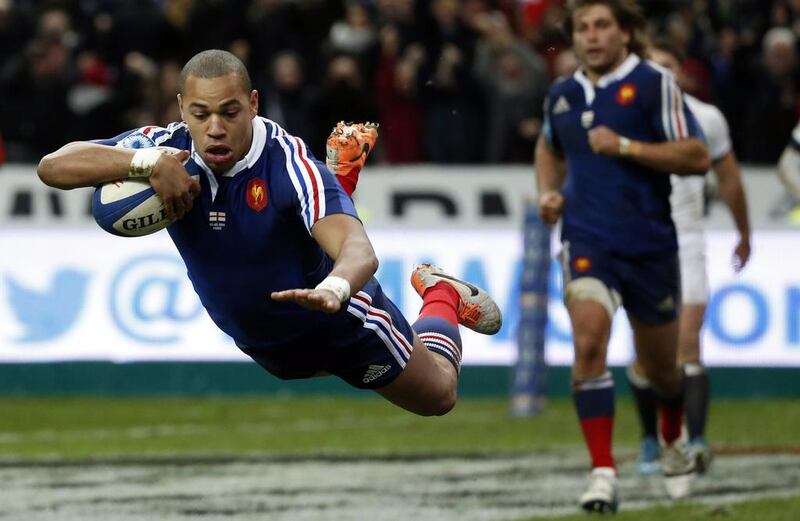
{"points": [[683, 157], [550, 167], [550, 174], [344, 239], [356, 263], [81, 164], [732, 194]]}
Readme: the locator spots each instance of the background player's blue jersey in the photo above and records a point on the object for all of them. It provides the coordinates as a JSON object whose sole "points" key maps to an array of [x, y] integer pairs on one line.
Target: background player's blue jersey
{"points": [[614, 202], [248, 233]]}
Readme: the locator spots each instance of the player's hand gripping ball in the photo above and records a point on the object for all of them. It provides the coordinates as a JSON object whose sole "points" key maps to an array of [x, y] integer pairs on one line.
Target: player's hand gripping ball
{"points": [[130, 207]]}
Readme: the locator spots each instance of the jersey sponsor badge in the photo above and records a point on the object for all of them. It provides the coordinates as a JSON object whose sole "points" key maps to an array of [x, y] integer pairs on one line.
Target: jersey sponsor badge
{"points": [[257, 194], [582, 264], [587, 118], [626, 94]]}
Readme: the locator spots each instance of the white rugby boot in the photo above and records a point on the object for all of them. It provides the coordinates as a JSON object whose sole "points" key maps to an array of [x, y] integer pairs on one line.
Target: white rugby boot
{"points": [[601, 493], [679, 470], [476, 309]]}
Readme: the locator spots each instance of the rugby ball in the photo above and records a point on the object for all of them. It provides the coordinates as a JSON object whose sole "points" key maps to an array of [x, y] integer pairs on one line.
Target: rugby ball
{"points": [[130, 207]]}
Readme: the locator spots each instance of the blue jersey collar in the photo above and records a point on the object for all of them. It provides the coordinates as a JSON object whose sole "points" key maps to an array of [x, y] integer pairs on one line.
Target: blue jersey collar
{"points": [[605, 80], [256, 148]]}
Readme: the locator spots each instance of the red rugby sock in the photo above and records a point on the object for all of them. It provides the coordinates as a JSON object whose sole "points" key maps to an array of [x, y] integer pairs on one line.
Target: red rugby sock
{"points": [[441, 300]]}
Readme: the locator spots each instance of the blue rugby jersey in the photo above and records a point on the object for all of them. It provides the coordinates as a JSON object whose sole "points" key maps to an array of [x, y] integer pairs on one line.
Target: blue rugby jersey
{"points": [[248, 233], [617, 203]]}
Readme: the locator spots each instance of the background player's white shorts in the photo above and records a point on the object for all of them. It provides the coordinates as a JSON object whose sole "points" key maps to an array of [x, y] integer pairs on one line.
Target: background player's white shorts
{"points": [[692, 254]]}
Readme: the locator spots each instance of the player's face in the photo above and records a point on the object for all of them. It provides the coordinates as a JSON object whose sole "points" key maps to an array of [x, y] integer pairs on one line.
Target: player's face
{"points": [[219, 112], [599, 41]]}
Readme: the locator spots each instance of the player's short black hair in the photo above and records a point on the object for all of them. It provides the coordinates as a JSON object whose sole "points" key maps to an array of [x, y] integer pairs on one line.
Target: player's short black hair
{"points": [[214, 63], [629, 16]]}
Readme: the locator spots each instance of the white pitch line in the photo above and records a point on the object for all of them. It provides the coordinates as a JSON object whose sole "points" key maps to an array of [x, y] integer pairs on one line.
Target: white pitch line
{"points": [[441, 489]]}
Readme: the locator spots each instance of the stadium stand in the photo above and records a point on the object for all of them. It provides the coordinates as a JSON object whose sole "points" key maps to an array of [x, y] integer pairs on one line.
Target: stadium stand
{"points": [[74, 70]]}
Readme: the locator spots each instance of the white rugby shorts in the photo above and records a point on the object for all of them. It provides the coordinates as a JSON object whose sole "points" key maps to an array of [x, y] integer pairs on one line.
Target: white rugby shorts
{"points": [[694, 280]]}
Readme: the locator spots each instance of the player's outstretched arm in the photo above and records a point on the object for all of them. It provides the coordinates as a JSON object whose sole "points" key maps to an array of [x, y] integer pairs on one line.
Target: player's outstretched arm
{"points": [[731, 191], [682, 157], [80, 164], [344, 239], [550, 174]]}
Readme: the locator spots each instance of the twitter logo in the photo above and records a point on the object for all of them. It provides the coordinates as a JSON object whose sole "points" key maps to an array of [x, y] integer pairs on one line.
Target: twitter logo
{"points": [[46, 315]]}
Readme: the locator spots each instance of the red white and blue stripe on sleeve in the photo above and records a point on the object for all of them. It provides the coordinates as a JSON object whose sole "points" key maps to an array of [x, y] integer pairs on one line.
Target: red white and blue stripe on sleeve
{"points": [[144, 137], [318, 192], [673, 111]]}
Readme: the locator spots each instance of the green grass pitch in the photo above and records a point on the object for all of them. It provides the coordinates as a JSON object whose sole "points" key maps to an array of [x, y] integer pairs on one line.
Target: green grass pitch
{"points": [[62, 428], [125, 427]]}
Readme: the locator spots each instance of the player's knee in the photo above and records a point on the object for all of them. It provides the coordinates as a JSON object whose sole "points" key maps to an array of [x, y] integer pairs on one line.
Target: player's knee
{"points": [[637, 377], [666, 382], [589, 346], [589, 343], [439, 404], [446, 402]]}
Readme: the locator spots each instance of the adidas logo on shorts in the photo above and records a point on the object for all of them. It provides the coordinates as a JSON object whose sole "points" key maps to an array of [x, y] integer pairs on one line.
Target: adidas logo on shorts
{"points": [[668, 304], [374, 372]]}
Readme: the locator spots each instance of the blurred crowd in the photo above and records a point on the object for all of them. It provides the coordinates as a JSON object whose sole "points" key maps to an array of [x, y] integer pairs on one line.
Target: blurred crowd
{"points": [[450, 81]]}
